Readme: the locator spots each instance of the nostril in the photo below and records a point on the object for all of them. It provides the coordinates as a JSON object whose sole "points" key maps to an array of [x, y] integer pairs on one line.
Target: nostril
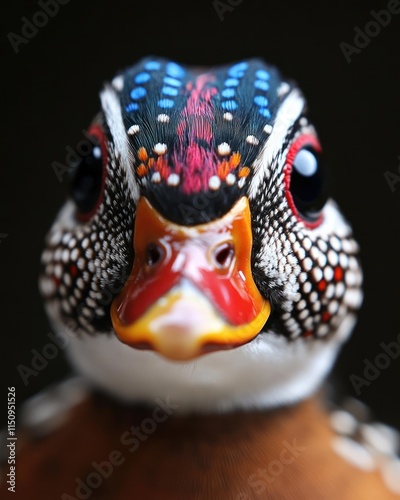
{"points": [[223, 255], [154, 254]]}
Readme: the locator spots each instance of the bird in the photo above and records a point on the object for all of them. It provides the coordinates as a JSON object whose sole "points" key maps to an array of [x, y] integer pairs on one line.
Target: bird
{"points": [[206, 282]]}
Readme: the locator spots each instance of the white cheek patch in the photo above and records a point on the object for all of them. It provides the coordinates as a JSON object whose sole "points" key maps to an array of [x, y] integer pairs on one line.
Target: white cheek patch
{"points": [[288, 113], [112, 111]]}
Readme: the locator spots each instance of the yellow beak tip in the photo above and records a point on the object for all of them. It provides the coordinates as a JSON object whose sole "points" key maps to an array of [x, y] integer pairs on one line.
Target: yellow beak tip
{"points": [[183, 341]]}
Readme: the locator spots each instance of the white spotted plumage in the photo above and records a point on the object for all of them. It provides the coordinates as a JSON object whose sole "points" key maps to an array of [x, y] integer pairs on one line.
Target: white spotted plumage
{"points": [[309, 272]]}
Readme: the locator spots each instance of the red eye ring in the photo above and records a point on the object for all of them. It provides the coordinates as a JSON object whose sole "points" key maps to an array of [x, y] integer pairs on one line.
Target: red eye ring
{"points": [[301, 142]]}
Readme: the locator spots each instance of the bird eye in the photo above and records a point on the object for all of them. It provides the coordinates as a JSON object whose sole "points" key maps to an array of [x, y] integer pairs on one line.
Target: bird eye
{"points": [[304, 180], [88, 176]]}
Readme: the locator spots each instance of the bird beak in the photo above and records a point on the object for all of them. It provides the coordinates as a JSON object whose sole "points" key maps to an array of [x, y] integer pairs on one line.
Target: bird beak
{"points": [[191, 289]]}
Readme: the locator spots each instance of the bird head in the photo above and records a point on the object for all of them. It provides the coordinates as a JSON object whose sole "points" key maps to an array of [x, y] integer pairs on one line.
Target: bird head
{"points": [[198, 255]]}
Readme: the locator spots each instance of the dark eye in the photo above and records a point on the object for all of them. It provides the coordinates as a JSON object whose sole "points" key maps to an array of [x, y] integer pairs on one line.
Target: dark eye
{"points": [[305, 180], [88, 176]]}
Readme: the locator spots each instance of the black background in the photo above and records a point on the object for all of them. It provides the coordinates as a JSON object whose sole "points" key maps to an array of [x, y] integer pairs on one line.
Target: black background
{"points": [[51, 94]]}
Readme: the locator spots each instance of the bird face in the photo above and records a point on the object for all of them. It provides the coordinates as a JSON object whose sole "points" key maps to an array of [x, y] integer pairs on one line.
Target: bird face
{"points": [[198, 238]]}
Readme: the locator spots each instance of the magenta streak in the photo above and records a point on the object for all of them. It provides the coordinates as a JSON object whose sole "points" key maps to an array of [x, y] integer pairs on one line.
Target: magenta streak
{"points": [[197, 163]]}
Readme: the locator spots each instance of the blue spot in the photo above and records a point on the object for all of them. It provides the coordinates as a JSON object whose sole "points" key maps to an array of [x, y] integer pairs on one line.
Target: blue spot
{"points": [[152, 65], [138, 93], [165, 103], [260, 100], [231, 82], [229, 105], [174, 70], [262, 74], [169, 91], [265, 112], [131, 107], [238, 70], [142, 77], [172, 81], [228, 93], [261, 84]]}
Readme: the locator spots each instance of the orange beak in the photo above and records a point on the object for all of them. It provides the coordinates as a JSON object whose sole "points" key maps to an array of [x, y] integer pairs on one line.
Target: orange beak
{"points": [[191, 289]]}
